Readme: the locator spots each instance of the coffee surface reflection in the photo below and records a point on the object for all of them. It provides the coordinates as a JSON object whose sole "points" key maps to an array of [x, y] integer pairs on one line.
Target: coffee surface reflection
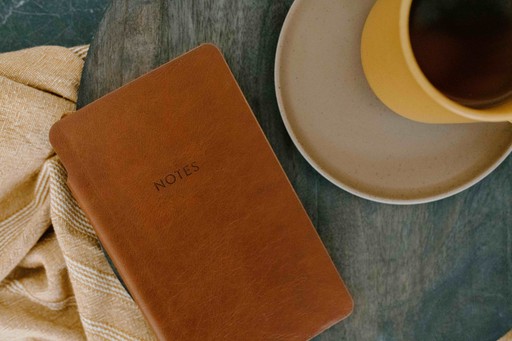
{"points": [[464, 48]]}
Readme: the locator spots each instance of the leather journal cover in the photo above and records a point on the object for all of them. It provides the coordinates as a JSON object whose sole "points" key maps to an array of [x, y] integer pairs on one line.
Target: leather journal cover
{"points": [[196, 213]]}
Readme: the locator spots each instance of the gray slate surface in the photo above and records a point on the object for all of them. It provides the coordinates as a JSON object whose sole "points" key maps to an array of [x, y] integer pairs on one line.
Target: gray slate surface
{"points": [[27, 23]]}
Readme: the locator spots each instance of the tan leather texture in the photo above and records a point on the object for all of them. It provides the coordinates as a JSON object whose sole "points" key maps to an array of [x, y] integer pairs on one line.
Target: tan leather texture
{"points": [[193, 207]]}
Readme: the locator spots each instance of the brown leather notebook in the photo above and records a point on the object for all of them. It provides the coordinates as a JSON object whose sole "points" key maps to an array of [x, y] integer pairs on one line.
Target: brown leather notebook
{"points": [[195, 211]]}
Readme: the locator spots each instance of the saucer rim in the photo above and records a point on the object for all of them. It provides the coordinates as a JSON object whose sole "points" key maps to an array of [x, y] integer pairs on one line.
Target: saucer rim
{"points": [[362, 194]]}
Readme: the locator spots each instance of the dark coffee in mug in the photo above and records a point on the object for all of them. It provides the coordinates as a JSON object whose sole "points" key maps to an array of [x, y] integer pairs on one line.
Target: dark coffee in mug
{"points": [[464, 48]]}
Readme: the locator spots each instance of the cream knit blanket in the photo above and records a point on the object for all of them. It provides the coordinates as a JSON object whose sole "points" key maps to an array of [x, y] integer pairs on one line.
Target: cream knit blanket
{"points": [[55, 281]]}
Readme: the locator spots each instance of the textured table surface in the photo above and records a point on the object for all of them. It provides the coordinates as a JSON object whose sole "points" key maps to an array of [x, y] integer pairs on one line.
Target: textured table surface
{"points": [[441, 271], [27, 23]]}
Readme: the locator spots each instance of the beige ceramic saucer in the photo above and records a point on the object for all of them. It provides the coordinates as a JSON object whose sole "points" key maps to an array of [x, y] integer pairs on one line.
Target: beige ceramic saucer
{"points": [[349, 136]]}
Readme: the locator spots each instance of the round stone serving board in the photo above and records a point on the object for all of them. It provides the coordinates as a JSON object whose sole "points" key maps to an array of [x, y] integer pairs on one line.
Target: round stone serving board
{"points": [[349, 136], [437, 271]]}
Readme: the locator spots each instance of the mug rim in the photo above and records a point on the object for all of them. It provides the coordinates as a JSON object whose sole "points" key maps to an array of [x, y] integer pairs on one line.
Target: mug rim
{"points": [[430, 90]]}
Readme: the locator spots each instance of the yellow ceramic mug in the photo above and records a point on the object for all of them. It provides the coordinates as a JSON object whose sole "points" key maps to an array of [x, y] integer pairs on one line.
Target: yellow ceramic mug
{"points": [[396, 78]]}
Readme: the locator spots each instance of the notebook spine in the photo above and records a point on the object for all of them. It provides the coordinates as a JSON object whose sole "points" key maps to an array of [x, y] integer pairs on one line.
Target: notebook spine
{"points": [[79, 183], [89, 200]]}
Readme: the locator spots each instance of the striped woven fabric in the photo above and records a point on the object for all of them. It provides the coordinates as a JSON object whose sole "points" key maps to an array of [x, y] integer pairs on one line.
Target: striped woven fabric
{"points": [[55, 282]]}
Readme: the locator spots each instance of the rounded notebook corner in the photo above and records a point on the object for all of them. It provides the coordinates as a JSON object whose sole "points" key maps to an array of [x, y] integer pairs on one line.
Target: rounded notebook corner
{"points": [[53, 134], [212, 47], [350, 307]]}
